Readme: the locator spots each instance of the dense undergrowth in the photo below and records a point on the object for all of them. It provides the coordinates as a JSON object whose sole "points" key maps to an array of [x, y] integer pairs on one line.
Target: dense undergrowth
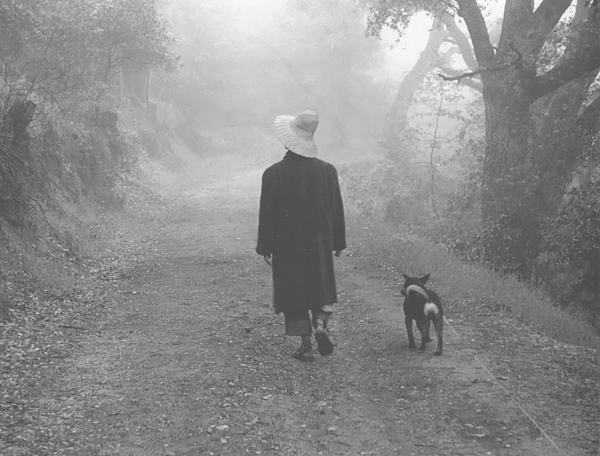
{"points": [[566, 268], [55, 280], [63, 241], [66, 176], [397, 250]]}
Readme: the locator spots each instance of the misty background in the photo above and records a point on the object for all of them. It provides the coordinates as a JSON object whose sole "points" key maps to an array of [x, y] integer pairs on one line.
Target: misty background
{"points": [[243, 64], [490, 151], [135, 314]]}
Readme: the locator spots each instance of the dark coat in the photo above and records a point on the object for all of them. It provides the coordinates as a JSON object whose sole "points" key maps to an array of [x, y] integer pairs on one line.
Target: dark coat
{"points": [[301, 223]]}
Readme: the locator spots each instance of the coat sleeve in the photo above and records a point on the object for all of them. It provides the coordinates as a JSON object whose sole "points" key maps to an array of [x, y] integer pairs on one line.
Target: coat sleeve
{"points": [[339, 222], [267, 215]]}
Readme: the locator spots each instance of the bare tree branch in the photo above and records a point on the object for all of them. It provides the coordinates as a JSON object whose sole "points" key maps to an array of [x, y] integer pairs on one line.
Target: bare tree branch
{"points": [[475, 84], [516, 59]]}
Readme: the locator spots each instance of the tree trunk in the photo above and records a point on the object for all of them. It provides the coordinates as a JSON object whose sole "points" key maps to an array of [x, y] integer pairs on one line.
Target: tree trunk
{"points": [[527, 165], [513, 199], [560, 137], [511, 236], [397, 120]]}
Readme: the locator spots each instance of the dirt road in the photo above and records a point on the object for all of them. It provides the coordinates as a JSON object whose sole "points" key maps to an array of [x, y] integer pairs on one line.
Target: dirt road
{"points": [[191, 360]]}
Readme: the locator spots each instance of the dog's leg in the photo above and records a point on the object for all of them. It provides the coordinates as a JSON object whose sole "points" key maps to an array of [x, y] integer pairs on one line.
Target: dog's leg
{"points": [[409, 332], [427, 325], [439, 329], [422, 326]]}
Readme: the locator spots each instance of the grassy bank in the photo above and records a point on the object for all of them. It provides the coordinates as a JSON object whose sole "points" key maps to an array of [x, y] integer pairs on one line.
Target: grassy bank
{"points": [[462, 285]]}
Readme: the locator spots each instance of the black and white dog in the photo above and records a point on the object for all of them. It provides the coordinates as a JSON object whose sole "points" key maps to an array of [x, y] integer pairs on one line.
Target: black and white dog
{"points": [[423, 306]]}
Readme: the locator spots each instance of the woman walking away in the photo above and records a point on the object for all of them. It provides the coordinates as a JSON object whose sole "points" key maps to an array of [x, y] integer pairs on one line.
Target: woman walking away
{"points": [[301, 225]]}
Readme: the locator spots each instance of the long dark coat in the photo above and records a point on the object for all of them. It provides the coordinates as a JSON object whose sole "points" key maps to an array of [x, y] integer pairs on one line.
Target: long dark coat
{"points": [[301, 223]]}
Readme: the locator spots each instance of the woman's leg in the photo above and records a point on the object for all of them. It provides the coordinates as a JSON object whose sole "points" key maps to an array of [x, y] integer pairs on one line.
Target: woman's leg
{"points": [[299, 324], [320, 319]]}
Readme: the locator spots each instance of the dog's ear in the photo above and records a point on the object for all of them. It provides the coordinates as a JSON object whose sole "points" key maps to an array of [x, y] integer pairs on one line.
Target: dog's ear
{"points": [[405, 277], [425, 278]]}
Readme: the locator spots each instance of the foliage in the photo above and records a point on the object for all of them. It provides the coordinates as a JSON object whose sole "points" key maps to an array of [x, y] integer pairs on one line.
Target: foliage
{"points": [[461, 227], [58, 68], [73, 49], [435, 127], [570, 264], [432, 181], [396, 15], [537, 82]]}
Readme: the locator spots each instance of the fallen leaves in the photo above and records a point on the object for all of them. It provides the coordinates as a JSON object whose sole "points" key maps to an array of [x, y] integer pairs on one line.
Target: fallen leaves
{"points": [[48, 316]]}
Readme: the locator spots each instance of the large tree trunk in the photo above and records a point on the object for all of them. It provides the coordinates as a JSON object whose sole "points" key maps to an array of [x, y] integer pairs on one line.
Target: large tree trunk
{"points": [[562, 131], [511, 236], [512, 197]]}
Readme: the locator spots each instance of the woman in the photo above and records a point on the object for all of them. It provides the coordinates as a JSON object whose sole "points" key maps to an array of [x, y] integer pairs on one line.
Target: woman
{"points": [[301, 224]]}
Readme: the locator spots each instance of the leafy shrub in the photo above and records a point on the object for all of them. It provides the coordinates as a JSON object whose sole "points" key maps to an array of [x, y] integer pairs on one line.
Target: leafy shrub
{"points": [[461, 225], [570, 263], [392, 191]]}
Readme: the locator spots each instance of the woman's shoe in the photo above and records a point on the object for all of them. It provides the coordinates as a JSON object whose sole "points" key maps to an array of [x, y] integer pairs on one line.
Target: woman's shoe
{"points": [[324, 344], [304, 353]]}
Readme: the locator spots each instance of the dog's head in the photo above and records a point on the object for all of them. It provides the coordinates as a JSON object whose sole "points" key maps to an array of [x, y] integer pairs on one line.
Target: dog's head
{"points": [[418, 281]]}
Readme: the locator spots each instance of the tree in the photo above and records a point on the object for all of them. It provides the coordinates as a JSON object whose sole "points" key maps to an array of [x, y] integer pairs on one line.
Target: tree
{"points": [[58, 62], [517, 190], [67, 49], [444, 31], [118, 40]]}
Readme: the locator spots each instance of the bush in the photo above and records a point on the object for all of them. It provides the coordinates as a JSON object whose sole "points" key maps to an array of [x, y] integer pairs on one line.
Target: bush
{"points": [[570, 263]]}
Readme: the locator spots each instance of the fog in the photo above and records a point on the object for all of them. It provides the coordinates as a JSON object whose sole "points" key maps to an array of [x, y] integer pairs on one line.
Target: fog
{"points": [[243, 63]]}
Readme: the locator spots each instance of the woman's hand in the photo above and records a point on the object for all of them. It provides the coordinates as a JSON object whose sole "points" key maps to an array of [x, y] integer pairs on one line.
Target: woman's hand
{"points": [[268, 259]]}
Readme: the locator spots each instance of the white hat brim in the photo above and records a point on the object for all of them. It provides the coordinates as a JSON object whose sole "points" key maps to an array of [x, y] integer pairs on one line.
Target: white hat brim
{"points": [[293, 138]]}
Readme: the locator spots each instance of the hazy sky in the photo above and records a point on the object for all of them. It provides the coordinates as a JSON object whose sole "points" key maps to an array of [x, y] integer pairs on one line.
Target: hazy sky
{"points": [[252, 20]]}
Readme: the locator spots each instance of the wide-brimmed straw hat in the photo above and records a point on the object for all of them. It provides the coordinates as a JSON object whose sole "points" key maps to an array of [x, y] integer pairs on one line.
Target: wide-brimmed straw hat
{"points": [[296, 132]]}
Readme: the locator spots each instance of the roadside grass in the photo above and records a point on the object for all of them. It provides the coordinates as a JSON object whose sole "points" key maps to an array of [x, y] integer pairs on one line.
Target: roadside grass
{"points": [[399, 251]]}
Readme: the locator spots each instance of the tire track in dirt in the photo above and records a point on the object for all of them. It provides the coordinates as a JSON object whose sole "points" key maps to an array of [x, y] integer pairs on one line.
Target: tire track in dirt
{"points": [[192, 361]]}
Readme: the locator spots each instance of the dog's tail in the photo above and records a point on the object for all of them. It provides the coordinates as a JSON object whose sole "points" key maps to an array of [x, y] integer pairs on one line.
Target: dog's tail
{"points": [[431, 309]]}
